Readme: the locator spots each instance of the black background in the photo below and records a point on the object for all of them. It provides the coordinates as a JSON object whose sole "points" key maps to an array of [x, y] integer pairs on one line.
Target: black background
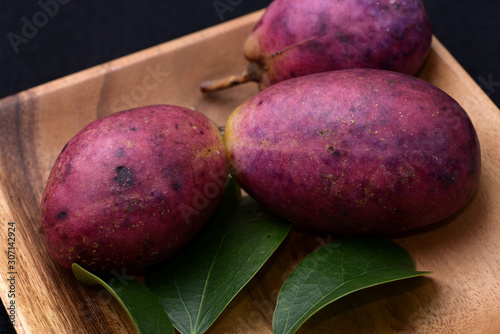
{"points": [[79, 34], [82, 34]]}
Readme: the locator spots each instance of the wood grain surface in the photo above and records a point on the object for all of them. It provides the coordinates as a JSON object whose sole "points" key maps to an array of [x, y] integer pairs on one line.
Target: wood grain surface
{"points": [[461, 296]]}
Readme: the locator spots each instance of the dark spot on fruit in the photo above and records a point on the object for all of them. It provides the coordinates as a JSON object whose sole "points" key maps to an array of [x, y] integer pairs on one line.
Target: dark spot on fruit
{"points": [[130, 205], [293, 75], [157, 196], [326, 162], [177, 126], [201, 132], [124, 176], [368, 56], [133, 129], [83, 254], [176, 186], [277, 175], [472, 167], [127, 223], [322, 19], [120, 152], [342, 37], [158, 138], [173, 171], [323, 27], [392, 163], [335, 153], [260, 102], [67, 171], [446, 179], [62, 215]]}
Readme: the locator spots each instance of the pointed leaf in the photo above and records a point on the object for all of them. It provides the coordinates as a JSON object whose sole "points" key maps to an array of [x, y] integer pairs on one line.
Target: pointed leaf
{"points": [[140, 304], [196, 286], [334, 271]]}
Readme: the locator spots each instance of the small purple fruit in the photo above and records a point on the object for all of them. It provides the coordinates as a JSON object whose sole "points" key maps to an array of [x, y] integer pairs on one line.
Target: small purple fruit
{"points": [[358, 151], [132, 188], [295, 38]]}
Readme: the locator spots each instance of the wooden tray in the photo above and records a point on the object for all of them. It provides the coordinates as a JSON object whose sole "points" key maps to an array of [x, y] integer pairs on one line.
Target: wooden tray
{"points": [[462, 296]]}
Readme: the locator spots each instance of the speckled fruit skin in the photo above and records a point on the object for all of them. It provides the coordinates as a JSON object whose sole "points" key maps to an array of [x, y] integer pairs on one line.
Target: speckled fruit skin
{"points": [[296, 37], [358, 151], [132, 188]]}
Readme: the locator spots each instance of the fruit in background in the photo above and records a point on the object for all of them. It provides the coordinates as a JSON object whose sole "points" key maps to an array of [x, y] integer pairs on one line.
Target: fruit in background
{"points": [[359, 151], [295, 38], [132, 188]]}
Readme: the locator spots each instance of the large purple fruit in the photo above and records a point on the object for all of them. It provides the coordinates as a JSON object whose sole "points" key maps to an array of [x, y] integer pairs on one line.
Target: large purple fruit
{"points": [[296, 37], [132, 188], [358, 151]]}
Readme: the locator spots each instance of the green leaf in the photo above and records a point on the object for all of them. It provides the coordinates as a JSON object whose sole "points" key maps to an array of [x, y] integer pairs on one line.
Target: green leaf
{"points": [[334, 271], [197, 285], [141, 305]]}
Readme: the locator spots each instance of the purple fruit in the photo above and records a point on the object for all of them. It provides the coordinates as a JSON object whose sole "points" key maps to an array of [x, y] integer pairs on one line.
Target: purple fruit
{"points": [[132, 188], [358, 151], [295, 38]]}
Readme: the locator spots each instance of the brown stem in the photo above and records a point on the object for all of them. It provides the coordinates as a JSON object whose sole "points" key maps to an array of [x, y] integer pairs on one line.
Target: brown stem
{"points": [[230, 81]]}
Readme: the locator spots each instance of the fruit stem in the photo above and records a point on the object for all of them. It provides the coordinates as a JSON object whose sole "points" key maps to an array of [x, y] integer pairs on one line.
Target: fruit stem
{"points": [[230, 81]]}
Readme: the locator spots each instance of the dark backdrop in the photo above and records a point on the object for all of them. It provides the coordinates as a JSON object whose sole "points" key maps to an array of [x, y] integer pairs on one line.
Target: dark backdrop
{"points": [[78, 34], [73, 35]]}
